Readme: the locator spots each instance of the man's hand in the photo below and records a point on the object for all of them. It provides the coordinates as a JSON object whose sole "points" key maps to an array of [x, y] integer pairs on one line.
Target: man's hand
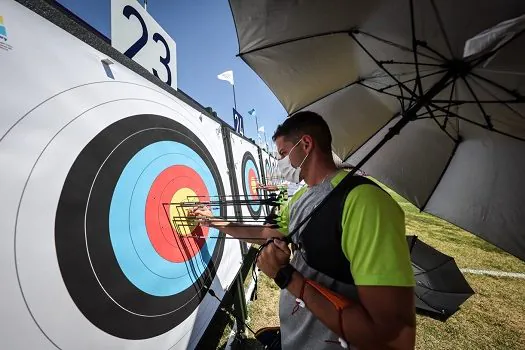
{"points": [[273, 257], [203, 215]]}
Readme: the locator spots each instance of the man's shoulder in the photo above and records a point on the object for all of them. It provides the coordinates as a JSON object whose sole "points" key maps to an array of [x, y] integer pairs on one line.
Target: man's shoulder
{"points": [[369, 193]]}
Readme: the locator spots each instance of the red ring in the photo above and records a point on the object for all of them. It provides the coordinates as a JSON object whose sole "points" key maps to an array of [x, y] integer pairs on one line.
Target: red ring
{"points": [[169, 243]]}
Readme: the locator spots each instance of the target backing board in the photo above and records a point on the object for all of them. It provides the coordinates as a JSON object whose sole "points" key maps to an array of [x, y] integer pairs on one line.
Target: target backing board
{"points": [[248, 175], [91, 255]]}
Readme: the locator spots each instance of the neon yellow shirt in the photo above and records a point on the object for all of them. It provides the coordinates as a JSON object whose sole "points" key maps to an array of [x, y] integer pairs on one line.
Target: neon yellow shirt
{"points": [[373, 235]]}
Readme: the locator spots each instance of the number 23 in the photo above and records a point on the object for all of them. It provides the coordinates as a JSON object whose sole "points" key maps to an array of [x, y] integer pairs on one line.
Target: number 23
{"points": [[143, 40]]}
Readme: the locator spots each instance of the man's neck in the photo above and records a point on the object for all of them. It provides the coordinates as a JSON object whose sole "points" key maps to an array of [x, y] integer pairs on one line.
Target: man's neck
{"points": [[320, 172]]}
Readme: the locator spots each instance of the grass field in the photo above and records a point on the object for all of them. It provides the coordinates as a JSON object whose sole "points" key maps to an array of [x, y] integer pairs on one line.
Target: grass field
{"points": [[494, 318]]}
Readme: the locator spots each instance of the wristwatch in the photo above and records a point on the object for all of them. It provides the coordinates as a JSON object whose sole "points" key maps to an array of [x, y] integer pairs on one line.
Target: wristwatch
{"points": [[284, 276]]}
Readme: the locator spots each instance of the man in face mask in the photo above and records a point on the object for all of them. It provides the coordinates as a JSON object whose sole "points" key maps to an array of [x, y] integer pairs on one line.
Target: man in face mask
{"points": [[350, 280]]}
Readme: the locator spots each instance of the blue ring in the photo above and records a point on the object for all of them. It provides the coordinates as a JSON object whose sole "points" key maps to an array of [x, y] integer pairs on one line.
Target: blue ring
{"points": [[250, 165], [135, 254]]}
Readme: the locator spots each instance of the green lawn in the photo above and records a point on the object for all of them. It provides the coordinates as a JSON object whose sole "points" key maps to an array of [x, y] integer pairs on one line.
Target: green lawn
{"points": [[494, 318]]}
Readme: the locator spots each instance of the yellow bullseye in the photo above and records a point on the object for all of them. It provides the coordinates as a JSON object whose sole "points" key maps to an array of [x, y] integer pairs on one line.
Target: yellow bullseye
{"points": [[183, 224], [253, 186]]}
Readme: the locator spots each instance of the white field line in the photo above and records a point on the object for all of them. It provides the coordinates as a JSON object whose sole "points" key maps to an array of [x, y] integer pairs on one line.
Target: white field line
{"points": [[494, 273]]}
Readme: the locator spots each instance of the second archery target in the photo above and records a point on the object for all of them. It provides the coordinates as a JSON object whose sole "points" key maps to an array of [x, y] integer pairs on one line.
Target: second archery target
{"points": [[251, 179], [248, 177]]}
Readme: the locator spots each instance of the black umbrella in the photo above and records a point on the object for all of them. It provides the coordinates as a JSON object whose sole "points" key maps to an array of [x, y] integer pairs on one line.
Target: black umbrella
{"points": [[440, 285]]}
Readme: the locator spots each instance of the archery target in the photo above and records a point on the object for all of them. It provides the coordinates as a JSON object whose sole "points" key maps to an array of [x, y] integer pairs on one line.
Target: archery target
{"points": [[106, 250], [91, 258], [249, 176]]}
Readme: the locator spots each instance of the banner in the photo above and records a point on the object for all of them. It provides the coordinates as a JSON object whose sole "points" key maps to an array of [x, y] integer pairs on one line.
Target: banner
{"points": [[238, 122]]}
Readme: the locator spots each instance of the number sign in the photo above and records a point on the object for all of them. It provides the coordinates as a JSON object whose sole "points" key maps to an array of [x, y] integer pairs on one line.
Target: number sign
{"points": [[136, 34]]}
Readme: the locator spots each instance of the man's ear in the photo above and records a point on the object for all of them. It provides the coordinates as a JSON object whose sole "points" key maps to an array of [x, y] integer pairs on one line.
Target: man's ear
{"points": [[307, 144]]}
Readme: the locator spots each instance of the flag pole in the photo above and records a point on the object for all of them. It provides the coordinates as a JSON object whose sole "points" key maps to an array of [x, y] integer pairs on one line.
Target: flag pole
{"points": [[234, 98]]}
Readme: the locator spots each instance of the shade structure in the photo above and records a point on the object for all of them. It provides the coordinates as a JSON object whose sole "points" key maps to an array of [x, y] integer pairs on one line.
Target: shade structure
{"points": [[440, 285], [435, 89]]}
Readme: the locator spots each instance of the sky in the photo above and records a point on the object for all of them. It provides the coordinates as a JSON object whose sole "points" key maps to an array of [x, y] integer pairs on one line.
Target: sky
{"points": [[204, 33]]}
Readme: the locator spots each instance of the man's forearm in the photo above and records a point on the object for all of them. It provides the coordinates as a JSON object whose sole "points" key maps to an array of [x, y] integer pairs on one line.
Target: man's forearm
{"points": [[246, 233], [358, 327]]}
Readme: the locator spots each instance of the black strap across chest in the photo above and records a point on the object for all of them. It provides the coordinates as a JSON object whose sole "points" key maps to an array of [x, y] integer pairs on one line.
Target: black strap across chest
{"points": [[320, 240]]}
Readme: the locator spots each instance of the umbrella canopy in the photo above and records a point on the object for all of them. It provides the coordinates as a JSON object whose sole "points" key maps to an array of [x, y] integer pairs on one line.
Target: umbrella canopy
{"points": [[440, 285], [442, 81]]}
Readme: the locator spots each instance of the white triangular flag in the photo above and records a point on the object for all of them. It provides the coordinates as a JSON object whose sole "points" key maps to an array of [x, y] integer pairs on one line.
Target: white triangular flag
{"points": [[228, 76], [261, 129]]}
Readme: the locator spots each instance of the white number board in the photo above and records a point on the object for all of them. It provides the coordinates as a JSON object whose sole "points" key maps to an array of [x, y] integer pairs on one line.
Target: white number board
{"points": [[137, 35]]}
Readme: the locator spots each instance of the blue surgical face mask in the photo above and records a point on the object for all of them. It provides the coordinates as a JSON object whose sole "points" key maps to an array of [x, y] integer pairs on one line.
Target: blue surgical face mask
{"points": [[286, 168]]}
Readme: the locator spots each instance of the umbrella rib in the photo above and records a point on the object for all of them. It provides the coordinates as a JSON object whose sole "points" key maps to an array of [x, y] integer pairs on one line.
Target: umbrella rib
{"points": [[430, 117], [402, 74], [476, 123], [434, 268], [387, 93], [427, 304], [414, 47], [402, 101], [400, 85], [378, 63], [416, 79], [515, 94], [463, 102], [442, 27], [425, 45], [497, 71], [440, 126], [505, 103], [413, 101], [490, 126], [396, 45], [411, 63]]}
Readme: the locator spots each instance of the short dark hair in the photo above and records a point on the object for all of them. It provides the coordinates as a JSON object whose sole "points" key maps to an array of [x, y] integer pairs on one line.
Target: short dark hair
{"points": [[306, 123]]}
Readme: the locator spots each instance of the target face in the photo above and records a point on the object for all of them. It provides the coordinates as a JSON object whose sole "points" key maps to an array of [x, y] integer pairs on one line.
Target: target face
{"points": [[130, 269], [250, 180]]}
